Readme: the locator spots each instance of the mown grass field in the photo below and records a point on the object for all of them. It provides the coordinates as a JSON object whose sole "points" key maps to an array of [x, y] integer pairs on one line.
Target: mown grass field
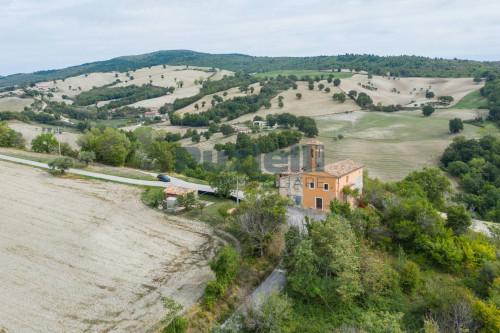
{"points": [[391, 145], [473, 100], [303, 72]]}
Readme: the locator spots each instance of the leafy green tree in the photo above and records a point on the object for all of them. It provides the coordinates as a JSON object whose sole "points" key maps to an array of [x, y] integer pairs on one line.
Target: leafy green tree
{"points": [[327, 89], [45, 143], [363, 99], [226, 265], [409, 277], [280, 104], [335, 244], [429, 94], [273, 314], [298, 95], [339, 97], [111, 147], [163, 155], [224, 183], [86, 156], [187, 200], [61, 163], [9, 137], [427, 110], [434, 184], [227, 130], [458, 219], [321, 86], [456, 125], [310, 86], [353, 94], [259, 216], [446, 99], [336, 82], [458, 168]]}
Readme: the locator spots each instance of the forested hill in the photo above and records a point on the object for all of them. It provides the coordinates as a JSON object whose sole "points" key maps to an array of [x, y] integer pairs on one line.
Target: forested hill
{"points": [[397, 65]]}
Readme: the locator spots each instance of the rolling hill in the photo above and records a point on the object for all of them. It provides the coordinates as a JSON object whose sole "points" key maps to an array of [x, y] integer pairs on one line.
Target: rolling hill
{"points": [[397, 65]]}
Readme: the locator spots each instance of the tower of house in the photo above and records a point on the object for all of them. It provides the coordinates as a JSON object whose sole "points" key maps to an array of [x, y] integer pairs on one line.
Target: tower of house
{"points": [[314, 155]]}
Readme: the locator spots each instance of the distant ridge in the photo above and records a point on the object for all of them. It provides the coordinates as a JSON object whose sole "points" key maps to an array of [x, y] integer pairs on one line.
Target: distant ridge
{"points": [[398, 65]]}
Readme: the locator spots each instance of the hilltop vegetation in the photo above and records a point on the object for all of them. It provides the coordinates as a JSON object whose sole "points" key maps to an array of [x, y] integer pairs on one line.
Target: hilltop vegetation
{"points": [[397, 65], [477, 164], [120, 96]]}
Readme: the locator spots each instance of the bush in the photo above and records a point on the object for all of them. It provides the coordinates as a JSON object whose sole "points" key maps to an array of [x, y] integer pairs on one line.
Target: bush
{"points": [[213, 291], [458, 168], [61, 163], [178, 325], [427, 110], [488, 315], [458, 219], [456, 125], [409, 277]]}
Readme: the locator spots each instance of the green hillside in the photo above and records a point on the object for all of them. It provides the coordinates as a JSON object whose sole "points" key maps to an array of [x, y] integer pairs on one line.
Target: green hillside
{"points": [[397, 65]]}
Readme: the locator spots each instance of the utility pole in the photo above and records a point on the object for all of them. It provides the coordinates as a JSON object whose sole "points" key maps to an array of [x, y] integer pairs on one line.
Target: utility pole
{"points": [[237, 191], [59, 141]]}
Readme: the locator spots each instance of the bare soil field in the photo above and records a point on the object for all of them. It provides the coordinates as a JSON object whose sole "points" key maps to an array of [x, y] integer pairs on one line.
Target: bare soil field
{"points": [[31, 131], [83, 255], [455, 87], [171, 74], [14, 103]]}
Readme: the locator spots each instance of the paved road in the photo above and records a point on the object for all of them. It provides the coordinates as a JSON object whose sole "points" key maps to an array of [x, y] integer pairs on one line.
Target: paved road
{"points": [[173, 181]]}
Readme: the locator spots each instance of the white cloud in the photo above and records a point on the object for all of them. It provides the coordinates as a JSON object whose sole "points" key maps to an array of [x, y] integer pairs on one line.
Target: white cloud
{"points": [[41, 34]]}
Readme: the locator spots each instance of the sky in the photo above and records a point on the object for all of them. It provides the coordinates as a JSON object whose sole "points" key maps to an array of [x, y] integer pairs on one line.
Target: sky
{"points": [[50, 34]]}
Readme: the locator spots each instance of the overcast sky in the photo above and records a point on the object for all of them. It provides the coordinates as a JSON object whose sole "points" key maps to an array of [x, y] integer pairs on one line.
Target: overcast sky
{"points": [[49, 34]]}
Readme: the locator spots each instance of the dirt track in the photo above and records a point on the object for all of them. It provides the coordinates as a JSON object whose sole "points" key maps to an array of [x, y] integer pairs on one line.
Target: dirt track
{"points": [[87, 255]]}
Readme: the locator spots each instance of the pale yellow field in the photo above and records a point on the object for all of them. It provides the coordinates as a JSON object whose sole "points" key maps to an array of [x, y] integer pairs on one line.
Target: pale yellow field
{"points": [[171, 74], [31, 131], [14, 103], [82, 255], [313, 103], [231, 93], [455, 87]]}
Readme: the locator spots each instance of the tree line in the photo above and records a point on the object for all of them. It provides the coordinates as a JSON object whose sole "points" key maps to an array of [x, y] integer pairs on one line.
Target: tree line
{"points": [[476, 163], [120, 96], [247, 146], [236, 107], [397, 65]]}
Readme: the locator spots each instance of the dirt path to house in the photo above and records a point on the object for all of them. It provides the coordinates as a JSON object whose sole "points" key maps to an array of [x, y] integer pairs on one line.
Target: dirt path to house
{"points": [[84, 255]]}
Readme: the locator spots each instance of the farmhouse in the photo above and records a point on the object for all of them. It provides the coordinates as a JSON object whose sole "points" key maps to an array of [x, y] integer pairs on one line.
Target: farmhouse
{"points": [[316, 186], [151, 114]]}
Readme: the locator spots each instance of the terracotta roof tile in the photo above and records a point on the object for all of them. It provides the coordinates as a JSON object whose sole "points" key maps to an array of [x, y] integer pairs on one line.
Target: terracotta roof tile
{"points": [[178, 190], [315, 142], [343, 167]]}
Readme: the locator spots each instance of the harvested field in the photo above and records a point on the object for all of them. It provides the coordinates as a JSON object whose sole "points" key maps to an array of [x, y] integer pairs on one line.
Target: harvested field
{"points": [[313, 103], [391, 145], [171, 74], [83, 255], [455, 87], [14, 103], [31, 131]]}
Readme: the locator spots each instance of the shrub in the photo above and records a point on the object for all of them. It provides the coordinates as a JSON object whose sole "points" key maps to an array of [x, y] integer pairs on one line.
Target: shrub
{"points": [[61, 163], [409, 277], [488, 315], [178, 325], [427, 110]]}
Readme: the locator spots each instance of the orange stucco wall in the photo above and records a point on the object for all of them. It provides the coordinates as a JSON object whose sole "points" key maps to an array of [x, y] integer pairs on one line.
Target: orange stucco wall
{"points": [[335, 186]]}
